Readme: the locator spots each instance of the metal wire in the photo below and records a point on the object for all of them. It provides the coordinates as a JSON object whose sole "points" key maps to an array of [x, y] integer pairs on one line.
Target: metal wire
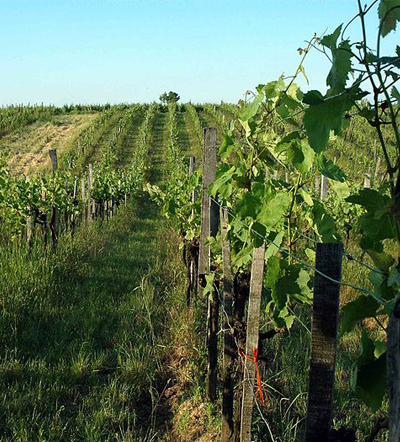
{"points": [[305, 264], [347, 255]]}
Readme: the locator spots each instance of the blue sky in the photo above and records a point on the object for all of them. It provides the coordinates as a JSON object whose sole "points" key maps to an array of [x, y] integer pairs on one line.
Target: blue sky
{"points": [[97, 51]]}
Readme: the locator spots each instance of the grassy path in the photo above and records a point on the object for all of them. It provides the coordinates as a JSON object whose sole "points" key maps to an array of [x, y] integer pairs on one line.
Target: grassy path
{"points": [[83, 332]]}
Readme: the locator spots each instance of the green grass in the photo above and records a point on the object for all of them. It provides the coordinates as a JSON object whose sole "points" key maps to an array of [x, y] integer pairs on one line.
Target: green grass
{"points": [[82, 332]]}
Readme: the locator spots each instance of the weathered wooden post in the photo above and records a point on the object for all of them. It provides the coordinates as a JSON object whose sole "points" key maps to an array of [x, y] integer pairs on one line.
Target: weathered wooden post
{"points": [[29, 231], [89, 196], [54, 217], [229, 343], [209, 227], [393, 373], [75, 204], [252, 336], [323, 341], [324, 187], [377, 169], [317, 185], [367, 180], [84, 215]]}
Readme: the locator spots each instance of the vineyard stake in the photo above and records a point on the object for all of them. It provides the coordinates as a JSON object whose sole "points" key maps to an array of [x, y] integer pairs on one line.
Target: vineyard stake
{"points": [[252, 337], [83, 189], [376, 173], [324, 187], [367, 180], [89, 197], [323, 341], [317, 185], [54, 217], [229, 343], [29, 234], [209, 227], [393, 372]]}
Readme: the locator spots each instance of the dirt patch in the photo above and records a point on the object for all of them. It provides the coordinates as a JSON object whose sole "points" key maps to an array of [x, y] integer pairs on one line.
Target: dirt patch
{"points": [[28, 148]]}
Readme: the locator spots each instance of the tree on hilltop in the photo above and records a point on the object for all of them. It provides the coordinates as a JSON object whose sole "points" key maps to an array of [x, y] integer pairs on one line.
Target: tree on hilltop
{"points": [[170, 97]]}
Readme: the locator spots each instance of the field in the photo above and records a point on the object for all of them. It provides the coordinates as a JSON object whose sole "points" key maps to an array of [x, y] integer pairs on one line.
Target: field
{"points": [[182, 272], [97, 340]]}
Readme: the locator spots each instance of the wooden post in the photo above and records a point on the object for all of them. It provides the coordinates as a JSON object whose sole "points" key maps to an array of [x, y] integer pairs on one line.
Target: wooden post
{"points": [[252, 336], [324, 187], [53, 158], [54, 217], [83, 189], [367, 180], [393, 373], [89, 198], [323, 341], [209, 227], [377, 169], [317, 185], [229, 343], [209, 209], [29, 233]]}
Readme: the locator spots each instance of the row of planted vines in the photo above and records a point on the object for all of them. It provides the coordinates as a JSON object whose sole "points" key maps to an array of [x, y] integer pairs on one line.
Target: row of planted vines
{"points": [[297, 172], [77, 191]]}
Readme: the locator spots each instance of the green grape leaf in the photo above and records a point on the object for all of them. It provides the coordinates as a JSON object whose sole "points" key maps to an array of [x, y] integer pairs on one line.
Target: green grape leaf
{"points": [[273, 88], [383, 261], [273, 208], [341, 68], [243, 257], [273, 271], [369, 381], [371, 199], [324, 223], [394, 278], [249, 111], [247, 205], [223, 183], [226, 146], [303, 71], [380, 349], [330, 169], [354, 311], [395, 94], [380, 283], [330, 40], [306, 197], [313, 97], [276, 241], [389, 15], [342, 190], [323, 116]]}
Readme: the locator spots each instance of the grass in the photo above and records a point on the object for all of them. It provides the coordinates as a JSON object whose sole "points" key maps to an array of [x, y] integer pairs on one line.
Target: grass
{"points": [[82, 332]]}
